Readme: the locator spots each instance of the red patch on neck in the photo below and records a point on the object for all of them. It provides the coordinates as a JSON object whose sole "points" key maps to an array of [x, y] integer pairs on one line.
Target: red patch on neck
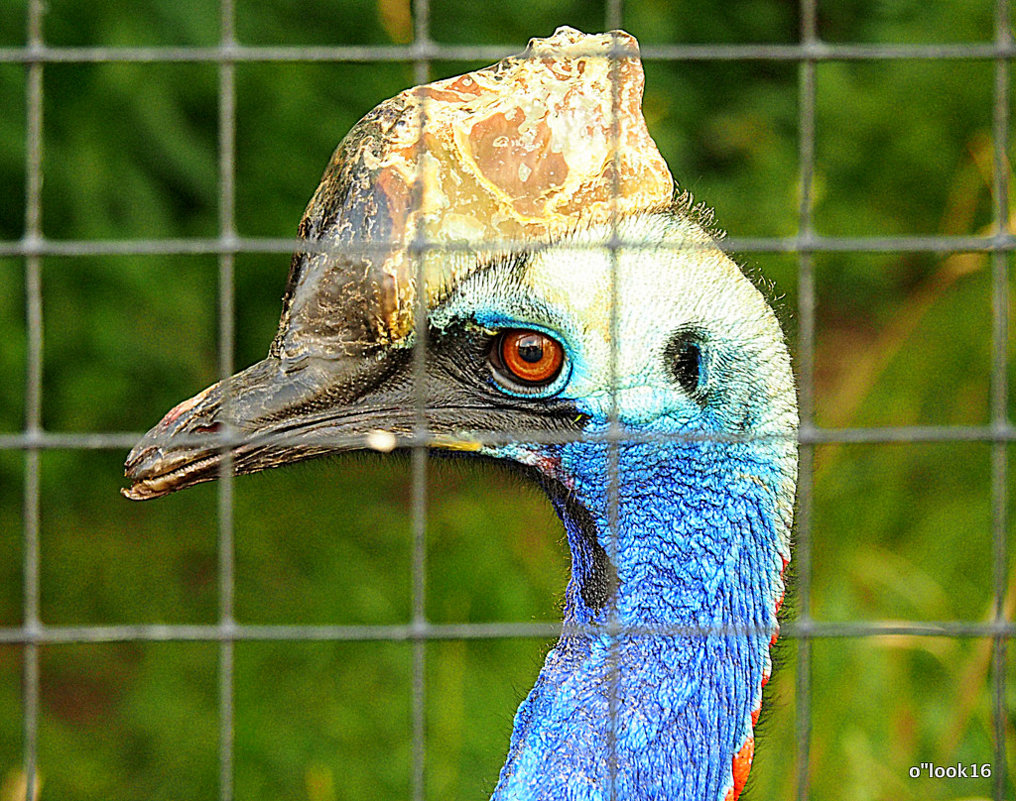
{"points": [[741, 766]]}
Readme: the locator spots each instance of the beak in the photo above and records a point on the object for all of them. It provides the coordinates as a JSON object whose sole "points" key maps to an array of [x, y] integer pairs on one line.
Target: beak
{"points": [[281, 411]]}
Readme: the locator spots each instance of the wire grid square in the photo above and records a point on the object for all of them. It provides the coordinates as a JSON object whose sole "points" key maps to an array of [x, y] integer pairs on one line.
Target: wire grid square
{"points": [[809, 57], [892, 329], [12, 199], [955, 95]]}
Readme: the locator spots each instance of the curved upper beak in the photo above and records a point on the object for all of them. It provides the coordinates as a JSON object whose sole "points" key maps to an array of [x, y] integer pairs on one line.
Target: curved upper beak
{"points": [[273, 413]]}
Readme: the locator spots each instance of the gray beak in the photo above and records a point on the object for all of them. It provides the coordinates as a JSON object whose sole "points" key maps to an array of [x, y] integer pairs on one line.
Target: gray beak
{"points": [[273, 413]]}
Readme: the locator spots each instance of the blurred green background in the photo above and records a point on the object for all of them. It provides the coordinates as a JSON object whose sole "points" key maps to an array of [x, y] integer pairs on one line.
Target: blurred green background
{"points": [[901, 532]]}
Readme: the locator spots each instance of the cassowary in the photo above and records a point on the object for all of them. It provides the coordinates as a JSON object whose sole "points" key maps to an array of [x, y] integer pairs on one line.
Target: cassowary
{"points": [[615, 355]]}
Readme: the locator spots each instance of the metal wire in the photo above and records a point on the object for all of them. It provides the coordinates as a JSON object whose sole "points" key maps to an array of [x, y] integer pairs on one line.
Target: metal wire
{"points": [[1000, 389], [808, 54], [33, 399], [226, 551], [806, 436], [793, 629], [806, 400], [813, 243], [421, 73], [429, 51], [613, 445]]}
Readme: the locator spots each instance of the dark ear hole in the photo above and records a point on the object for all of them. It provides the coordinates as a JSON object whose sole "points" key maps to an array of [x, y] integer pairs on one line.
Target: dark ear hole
{"points": [[684, 357], [687, 363]]}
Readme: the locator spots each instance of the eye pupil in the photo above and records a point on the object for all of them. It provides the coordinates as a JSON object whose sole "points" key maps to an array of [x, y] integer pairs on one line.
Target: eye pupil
{"points": [[530, 348], [527, 358]]}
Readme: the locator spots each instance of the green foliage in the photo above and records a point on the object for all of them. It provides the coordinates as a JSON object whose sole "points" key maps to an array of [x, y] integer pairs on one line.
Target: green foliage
{"points": [[901, 532]]}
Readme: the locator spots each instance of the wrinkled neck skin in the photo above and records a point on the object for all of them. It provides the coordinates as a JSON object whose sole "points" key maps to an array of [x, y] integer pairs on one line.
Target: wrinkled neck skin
{"points": [[700, 547]]}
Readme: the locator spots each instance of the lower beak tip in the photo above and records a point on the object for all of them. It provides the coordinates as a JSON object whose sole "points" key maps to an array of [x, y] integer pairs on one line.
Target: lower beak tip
{"points": [[139, 492]]}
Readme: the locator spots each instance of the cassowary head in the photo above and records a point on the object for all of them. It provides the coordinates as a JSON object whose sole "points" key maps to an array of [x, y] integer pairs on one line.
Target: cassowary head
{"points": [[649, 321], [518, 284]]}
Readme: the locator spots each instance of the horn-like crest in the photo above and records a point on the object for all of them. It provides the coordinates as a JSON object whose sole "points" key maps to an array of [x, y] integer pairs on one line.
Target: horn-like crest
{"points": [[519, 151]]}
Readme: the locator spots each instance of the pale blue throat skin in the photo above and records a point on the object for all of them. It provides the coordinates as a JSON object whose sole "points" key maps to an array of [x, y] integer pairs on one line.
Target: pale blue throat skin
{"points": [[694, 551], [703, 516]]}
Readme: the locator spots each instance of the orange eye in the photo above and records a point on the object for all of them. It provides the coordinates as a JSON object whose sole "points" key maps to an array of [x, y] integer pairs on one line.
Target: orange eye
{"points": [[530, 357]]}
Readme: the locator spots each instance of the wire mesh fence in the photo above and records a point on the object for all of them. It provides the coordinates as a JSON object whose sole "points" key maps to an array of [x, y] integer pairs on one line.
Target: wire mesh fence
{"points": [[426, 56]]}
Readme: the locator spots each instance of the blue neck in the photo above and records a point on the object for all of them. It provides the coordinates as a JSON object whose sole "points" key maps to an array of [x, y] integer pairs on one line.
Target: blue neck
{"points": [[697, 548]]}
